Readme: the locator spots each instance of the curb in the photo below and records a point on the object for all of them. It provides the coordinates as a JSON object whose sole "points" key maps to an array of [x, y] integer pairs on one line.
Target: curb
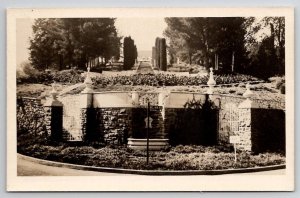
{"points": [[150, 172]]}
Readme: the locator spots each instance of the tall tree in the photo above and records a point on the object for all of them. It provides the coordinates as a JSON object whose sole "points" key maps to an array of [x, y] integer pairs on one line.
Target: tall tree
{"points": [[73, 42], [163, 54], [198, 39], [157, 54], [44, 47], [266, 46], [130, 53]]}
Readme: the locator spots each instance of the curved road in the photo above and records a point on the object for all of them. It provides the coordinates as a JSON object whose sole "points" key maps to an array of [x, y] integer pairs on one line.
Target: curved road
{"points": [[29, 168]]}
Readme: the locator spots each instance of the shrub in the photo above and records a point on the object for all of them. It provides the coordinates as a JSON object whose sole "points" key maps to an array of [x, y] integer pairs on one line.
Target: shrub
{"points": [[168, 80], [188, 157], [26, 73], [68, 76]]}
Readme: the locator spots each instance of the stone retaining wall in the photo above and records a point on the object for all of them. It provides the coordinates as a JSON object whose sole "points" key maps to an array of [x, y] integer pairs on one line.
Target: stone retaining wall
{"points": [[31, 116], [112, 117]]}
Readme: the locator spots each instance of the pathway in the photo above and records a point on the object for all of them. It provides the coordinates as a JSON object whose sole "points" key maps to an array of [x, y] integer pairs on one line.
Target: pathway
{"points": [[145, 68]]}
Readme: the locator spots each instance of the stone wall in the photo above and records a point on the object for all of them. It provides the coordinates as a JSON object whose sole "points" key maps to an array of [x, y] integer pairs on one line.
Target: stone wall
{"points": [[31, 116], [72, 119], [267, 130], [228, 117], [191, 126], [112, 117], [139, 129], [114, 124], [244, 130]]}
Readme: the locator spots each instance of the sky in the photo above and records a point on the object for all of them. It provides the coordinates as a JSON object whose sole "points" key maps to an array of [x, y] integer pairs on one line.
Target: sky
{"points": [[142, 30]]}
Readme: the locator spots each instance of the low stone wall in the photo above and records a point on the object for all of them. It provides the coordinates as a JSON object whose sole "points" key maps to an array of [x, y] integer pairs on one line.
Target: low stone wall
{"points": [[72, 118], [181, 117], [191, 126], [31, 116], [114, 124], [267, 130]]}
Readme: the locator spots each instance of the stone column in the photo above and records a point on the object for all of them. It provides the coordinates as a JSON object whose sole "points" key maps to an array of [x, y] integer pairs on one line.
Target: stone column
{"points": [[54, 116], [163, 101], [245, 121], [86, 107]]}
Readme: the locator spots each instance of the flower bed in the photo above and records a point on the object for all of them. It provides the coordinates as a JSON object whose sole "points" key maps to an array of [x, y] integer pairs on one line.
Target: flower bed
{"points": [[74, 76], [176, 158], [169, 80]]}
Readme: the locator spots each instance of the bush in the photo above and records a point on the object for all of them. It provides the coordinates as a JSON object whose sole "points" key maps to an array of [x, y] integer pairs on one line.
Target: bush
{"points": [[168, 80], [181, 157], [26, 73], [68, 76]]}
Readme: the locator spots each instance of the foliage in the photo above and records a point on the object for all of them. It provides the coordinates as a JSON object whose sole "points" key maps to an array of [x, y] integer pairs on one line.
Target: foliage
{"points": [[257, 44], [159, 54], [169, 80], [48, 77], [25, 69], [178, 158], [267, 55], [68, 76], [130, 53], [60, 43], [198, 39]]}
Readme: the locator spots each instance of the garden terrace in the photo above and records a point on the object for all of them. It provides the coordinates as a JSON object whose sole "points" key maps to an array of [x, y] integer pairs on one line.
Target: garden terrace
{"points": [[158, 79]]}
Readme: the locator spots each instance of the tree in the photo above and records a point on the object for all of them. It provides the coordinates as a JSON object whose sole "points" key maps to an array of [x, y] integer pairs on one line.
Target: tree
{"points": [[163, 54], [130, 53], [73, 42], [44, 47], [198, 39], [159, 54], [266, 46]]}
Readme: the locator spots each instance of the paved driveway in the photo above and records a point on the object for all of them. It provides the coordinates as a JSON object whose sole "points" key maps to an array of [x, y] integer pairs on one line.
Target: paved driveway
{"points": [[29, 168]]}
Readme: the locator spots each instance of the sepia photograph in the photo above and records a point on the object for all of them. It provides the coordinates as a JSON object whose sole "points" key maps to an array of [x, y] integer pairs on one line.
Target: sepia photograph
{"points": [[184, 100]]}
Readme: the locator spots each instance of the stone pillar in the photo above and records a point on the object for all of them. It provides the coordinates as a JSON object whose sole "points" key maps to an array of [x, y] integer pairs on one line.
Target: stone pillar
{"points": [[134, 98], [163, 101], [245, 121], [86, 107], [54, 116]]}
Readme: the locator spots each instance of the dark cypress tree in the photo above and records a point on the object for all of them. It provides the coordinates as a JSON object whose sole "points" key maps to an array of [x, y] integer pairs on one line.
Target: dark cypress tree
{"points": [[130, 53], [157, 46], [163, 55], [135, 54]]}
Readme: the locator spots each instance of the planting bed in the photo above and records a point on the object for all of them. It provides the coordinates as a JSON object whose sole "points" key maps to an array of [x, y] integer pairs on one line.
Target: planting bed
{"points": [[176, 158]]}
